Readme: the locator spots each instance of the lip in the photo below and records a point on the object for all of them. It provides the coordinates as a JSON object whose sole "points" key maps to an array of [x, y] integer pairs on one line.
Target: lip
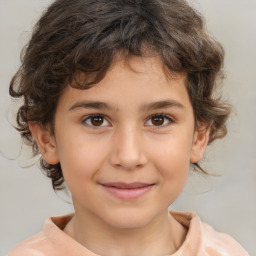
{"points": [[127, 191]]}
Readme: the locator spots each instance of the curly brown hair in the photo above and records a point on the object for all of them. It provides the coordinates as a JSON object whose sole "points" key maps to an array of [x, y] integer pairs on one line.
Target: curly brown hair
{"points": [[85, 36]]}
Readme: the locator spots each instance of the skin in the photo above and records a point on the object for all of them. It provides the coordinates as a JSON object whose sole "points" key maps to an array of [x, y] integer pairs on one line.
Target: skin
{"points": [[125, 145]]}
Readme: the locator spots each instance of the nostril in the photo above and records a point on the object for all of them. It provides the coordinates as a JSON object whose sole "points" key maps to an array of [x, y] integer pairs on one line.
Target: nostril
{"points": [[127, 151]]}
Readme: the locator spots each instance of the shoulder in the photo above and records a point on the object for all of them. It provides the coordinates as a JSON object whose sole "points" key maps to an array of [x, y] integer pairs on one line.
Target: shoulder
{"points": [[36, 245], [214, 242], [202, 239], [48, 242]]}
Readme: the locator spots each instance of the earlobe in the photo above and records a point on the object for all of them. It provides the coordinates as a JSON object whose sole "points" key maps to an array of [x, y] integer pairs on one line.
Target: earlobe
{"points": [[45, 141], [200, 142]]}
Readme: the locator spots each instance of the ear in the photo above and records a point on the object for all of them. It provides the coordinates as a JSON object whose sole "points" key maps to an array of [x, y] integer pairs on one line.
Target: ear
{"points": [[45, 142], [200, 142]]}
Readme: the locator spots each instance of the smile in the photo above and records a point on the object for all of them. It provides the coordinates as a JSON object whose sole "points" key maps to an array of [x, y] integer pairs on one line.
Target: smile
{"points": [[127, 191]]}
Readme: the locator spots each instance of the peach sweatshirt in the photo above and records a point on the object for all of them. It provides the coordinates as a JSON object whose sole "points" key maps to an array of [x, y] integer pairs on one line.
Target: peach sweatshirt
{"points": [[201, 240]]}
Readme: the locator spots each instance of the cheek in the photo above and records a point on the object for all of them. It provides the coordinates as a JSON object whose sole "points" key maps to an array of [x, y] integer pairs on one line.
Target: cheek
{"points": [[80, 160], [172, 166], [171, 158], [173, 151]]}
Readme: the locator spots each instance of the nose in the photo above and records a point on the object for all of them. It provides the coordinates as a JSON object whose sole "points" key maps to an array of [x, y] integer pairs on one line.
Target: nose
{"points": [[127, 149]]}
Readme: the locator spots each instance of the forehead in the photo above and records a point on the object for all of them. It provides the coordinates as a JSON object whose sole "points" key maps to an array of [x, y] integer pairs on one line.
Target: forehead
{"points": [[136, 79], [150, 64]]}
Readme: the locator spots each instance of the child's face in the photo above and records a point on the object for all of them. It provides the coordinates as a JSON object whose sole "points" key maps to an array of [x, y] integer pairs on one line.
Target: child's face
{"points": [[135, 126]]}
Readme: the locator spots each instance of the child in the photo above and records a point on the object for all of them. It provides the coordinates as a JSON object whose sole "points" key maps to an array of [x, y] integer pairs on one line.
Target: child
{"points": [[118, 97]]}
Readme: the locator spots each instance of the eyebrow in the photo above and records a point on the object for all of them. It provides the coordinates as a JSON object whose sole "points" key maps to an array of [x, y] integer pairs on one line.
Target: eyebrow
{"points": [[162, 104], [144, 107], [90, 105]]}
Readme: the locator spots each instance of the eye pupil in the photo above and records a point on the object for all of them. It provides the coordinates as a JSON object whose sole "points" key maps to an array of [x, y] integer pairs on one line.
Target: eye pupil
{"points": [[97, 120], [157, 120]]}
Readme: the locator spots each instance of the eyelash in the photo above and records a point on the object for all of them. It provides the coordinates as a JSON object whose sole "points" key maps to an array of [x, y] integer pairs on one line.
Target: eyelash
{"points": [[161, 115], [89, 117], [169, 119]]}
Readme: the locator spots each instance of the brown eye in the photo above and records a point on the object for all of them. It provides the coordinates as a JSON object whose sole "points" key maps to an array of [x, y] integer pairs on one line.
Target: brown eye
{"points": [[96, 121], [157, 120]]}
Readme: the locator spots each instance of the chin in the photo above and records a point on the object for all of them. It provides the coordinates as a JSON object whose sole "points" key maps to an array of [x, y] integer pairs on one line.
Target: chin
{"points": [[129, 219]]}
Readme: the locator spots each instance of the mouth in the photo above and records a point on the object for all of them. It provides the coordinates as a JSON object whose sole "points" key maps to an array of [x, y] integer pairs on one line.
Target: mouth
{"points": [[127, 191]]}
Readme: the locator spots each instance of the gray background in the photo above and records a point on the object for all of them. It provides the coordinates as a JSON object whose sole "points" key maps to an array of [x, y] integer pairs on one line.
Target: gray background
{"points": [[227, 201]]}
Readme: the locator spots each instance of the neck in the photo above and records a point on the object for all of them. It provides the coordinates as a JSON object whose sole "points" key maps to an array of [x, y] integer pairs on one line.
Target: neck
{"points": [[163, 236]]}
